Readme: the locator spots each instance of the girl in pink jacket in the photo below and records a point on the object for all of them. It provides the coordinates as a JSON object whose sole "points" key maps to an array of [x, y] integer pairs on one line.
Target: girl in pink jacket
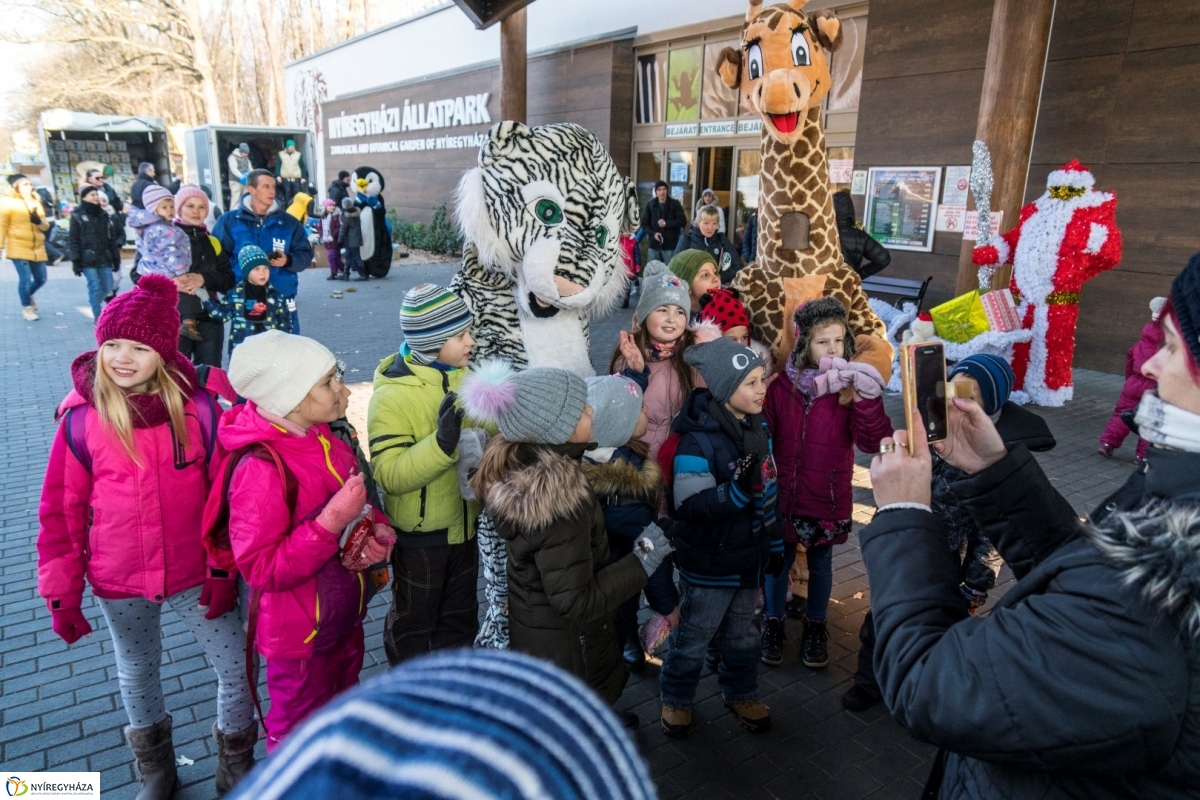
{"points": [[815, 427], [652, 354], [288, 522], [121, 508]]}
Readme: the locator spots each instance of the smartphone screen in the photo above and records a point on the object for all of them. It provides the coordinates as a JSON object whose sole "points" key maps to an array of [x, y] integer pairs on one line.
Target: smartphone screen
{"points": [[929, 384]]}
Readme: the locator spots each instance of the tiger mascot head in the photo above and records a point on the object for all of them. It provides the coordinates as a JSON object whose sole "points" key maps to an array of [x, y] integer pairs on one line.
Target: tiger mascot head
{"points": [[546, 207]]}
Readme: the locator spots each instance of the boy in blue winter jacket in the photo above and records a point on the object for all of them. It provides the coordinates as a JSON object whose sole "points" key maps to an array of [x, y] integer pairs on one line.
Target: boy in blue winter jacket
{"points": [[724, 493], [253, 306], [259, 220]]}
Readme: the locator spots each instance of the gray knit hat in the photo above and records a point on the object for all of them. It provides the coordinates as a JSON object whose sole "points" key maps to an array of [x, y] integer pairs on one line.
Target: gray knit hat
{"points": [[616, 402], [540, 405], [660, 287], [724, 364]]}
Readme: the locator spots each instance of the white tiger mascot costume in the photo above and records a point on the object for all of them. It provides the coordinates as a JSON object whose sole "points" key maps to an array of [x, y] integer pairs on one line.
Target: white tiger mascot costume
{"points": [[541, 218]]}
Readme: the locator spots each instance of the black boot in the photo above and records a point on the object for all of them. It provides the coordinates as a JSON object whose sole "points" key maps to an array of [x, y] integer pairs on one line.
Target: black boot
{"points": [[633, 655], [155, 754], [857, 698], [814, 651], [772, 642], [235, 756]]}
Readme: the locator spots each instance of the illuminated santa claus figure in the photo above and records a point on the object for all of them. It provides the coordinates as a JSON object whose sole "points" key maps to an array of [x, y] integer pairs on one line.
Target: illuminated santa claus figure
{"points": [[1062, 240]]}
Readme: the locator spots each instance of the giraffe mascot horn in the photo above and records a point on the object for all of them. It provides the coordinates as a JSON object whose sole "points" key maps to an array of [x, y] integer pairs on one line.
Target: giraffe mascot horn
{"points": [[781, 71]]}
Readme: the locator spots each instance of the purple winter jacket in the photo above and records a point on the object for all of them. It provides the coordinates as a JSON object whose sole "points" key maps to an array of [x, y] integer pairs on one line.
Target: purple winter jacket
{"points": [[165, 249], [814, 447]]}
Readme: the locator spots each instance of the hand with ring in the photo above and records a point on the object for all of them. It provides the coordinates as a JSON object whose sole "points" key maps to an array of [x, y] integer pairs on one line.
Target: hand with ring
{"points": [[898, 477]]}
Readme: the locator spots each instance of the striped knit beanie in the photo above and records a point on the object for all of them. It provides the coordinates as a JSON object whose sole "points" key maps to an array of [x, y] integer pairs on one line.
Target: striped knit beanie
{"points": [[431, 316], [994, 376], [459, 723]]}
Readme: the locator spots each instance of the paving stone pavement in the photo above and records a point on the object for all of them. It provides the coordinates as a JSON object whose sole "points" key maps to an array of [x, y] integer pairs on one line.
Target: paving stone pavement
{"points": [[60, 708]]}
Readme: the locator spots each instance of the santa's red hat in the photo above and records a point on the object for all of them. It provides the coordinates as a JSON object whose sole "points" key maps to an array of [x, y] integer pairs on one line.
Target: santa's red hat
{"points": [[1074, 174]]}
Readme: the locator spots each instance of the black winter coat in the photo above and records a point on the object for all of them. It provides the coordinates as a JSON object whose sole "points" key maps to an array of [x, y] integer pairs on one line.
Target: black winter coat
{"points": [[214, 267], [139, 185], [670, 212], [750, 239], [715, 544], [350, 234], [1085, 679], [857, 244], [337, 192], [728, 259], [562, 592], [94, 238]]}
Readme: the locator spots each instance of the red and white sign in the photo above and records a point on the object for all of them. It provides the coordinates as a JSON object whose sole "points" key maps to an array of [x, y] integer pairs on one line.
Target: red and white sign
{"points": [[971, 226], [958, 183], [841, 170], [950, 219]]}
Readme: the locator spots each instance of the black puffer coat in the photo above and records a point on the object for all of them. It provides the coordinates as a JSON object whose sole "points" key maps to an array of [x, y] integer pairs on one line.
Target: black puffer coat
{"points": [[562, 599], [857, 244], [207, 262], [93, 238], [1085, 679]]}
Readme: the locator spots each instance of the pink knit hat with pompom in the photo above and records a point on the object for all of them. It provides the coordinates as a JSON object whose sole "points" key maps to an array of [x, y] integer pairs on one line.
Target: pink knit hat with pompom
{"points": [[147, 314]]}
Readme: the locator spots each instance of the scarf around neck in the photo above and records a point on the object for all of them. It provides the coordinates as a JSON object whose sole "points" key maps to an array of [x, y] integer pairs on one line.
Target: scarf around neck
{"points": [[660, 352], [147, 410], [1167, 426]]}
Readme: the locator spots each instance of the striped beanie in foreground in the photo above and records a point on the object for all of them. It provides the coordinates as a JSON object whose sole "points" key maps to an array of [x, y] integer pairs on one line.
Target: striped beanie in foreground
{"points": [[430, 316], [458, 724]]}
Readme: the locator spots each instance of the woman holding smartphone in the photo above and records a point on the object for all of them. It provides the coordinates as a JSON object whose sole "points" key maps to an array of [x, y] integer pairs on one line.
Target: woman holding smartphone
{"points": [[1084, 681]]}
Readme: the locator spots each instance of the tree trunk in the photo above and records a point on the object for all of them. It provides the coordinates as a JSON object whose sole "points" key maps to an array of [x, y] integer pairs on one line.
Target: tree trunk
{"points": [[203, 65], [1008, 108]]}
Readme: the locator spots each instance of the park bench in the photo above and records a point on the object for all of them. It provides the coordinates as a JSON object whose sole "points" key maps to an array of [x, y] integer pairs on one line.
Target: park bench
{"points": [[900, 288]]}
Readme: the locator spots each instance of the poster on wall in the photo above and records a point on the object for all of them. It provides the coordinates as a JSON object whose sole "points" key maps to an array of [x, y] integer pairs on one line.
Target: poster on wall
{"points": [[902, 205], [683, 83]]}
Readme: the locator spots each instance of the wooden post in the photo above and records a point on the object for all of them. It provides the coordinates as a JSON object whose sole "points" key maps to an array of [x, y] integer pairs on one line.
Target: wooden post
{"points": [[513, 60], [1012, 91]]}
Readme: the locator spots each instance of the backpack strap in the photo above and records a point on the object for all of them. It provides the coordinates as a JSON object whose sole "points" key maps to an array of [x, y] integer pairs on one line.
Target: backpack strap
{"points": [[207, 414], [706, 446], [75, 432]]}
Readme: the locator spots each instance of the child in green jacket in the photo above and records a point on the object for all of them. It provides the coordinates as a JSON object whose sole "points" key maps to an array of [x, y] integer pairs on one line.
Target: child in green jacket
{"points": [[419, 450]]}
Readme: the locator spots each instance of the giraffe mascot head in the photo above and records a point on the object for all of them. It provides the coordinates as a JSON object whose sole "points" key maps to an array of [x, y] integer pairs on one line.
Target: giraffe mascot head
{"points": [[782, 72]]}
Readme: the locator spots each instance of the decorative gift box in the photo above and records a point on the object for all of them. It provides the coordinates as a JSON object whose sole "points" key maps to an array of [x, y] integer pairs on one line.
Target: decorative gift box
{"points": [[1001, 310], [960, 319]]}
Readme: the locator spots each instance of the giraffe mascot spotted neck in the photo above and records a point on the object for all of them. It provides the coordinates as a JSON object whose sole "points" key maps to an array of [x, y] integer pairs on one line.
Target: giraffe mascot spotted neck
{"points": [[782, 72]]}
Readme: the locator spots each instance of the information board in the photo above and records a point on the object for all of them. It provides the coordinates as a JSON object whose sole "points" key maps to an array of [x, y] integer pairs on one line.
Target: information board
{"points": [[902, 206]]}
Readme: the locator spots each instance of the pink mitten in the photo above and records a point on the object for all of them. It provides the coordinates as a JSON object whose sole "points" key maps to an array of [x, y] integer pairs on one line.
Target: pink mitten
{"points": [[379, 547], [866, 380], [344, 507], [836, 373], [70, 624]]}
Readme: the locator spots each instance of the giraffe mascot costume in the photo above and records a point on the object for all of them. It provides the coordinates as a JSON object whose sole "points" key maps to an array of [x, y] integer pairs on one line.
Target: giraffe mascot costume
{"points": [[783, 73]]}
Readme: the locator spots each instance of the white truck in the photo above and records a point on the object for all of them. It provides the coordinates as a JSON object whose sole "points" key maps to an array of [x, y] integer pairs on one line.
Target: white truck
{"points": [[72, 142], [208, 148]]}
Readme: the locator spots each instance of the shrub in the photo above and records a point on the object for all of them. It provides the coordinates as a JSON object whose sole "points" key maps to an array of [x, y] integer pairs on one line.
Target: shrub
{"points": [[439, 236]]}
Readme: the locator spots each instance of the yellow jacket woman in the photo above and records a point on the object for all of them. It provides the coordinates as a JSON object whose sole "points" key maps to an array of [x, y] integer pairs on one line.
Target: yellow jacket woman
{"points": [[23, 222]]}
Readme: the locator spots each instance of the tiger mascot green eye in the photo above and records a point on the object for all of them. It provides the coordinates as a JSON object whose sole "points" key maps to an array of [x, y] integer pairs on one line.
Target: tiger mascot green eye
{"points": [[541, 217]]}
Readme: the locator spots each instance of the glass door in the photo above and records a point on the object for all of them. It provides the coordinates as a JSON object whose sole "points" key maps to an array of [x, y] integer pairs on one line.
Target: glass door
{"points": [[680, 178], [749, 164], [714, 168], [649, 172]]}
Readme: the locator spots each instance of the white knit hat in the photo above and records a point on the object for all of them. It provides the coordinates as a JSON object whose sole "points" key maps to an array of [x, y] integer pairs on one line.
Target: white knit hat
{"points": [[277, 370]]}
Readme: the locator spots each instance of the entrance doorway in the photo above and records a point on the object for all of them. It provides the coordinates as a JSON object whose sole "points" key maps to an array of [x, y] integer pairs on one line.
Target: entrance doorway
{"points": [[714, 170]]}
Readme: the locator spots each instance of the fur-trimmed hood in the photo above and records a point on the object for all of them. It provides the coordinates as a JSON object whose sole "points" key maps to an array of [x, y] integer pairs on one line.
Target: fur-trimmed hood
{"points": [[1157, 548], [621, 478], [548, 485]]}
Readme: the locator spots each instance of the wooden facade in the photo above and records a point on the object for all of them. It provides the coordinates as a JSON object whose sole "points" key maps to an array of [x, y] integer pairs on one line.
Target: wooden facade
{"points": [[590, 84], [1121, 82]]}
